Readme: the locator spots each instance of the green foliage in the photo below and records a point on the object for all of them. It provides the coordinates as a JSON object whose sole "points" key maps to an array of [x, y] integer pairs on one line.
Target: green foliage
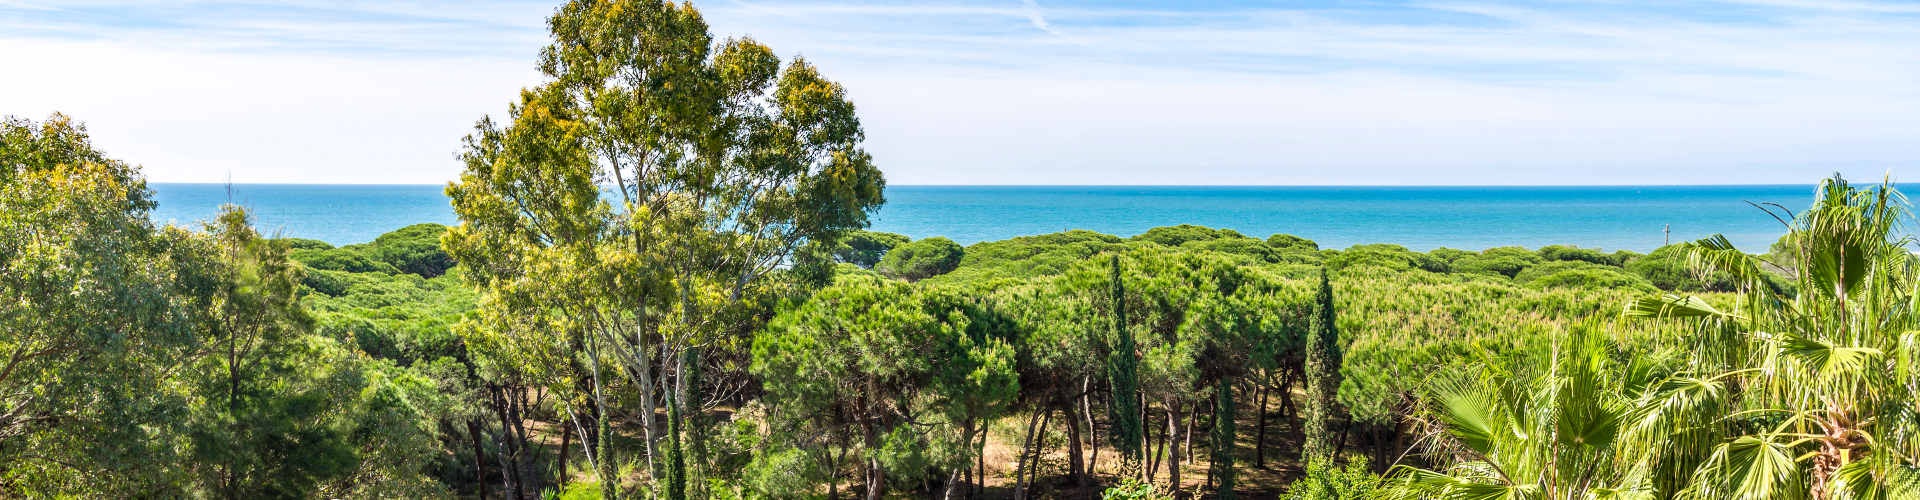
{"points": [[192, 351], [1133, 489], [1123, 377], [921, 259], [1387, 256], [1291, 242], [866, 248], [306, 244], [413, 249], [1174, 236], [345, 259], [1032, 256], [1324, 481], [87, 318], [1573, 253], [1502, 261], [1667, 268], [1324, 353]]}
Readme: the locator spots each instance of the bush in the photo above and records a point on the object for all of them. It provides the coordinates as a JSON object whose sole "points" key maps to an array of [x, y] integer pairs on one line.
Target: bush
{"points": [[1288, 241], [1133, 489], [1450, 255], [306, 244], [1591, 279], [349, 259], [1038, 255], [1388, 256], [1536, 272], [921, 259], [1174, 236], [1325, 482], [1504, 265], [1238, 246], [413, 249], [1666, 267], [332, 282], [1573, 253], [866, 248]]}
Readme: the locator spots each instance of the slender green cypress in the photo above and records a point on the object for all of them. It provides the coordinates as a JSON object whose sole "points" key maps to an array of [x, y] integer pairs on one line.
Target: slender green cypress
{"points": [[1122, 376], [1323, 373], [1223, 436]]}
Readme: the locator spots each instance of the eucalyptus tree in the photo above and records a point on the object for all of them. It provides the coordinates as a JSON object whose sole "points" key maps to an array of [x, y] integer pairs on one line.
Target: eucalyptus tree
{"points": [[86, 284], [649, 184]]}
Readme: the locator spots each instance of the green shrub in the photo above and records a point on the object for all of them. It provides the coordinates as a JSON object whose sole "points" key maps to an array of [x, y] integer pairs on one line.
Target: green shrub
{"points": [[1288, 241], [1384, 255], [1238, 246], [866, 248], [1326, 482], [1133, 489], [306, 244], [1538, 271], [413, 249], [1174, 236], [1591, 279], [1667, 268], [332, 282], [921, 259], [1450, 255], [350, 259], [1504, 265], [1568, 252]]}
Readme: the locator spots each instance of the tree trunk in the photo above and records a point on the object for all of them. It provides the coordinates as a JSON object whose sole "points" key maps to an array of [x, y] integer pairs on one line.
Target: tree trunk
{"points": [[980, 456], [479, 456], [876, 477], [953, 479], [1020, 467], [1093, 432], [1260, 425], [566, 443], [1152, 447], [1076, 459], [1193, 420], [509, 444], [1173, 452], [1341, 447]]}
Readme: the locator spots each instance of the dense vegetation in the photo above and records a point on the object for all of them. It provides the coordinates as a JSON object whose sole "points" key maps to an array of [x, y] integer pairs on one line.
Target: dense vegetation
{"points": [[661, 287]]}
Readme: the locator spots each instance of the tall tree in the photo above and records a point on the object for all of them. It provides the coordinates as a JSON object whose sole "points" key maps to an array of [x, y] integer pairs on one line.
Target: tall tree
{"points": [[1829, 363], [1323, 374], [1123, 379], [717, 162], [86, 288], [263, 394]]}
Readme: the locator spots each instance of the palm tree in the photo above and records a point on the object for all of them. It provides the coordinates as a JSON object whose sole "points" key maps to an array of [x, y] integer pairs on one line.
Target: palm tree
{"points": [[1547, 430], [1799, 387], [1801, 392]]}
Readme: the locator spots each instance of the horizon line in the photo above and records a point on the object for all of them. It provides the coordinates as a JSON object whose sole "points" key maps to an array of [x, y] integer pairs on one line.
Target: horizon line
{"points": [[1764, 184]]}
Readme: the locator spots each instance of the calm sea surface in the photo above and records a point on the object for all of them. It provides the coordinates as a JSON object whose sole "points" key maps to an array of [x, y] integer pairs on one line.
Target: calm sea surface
{"points": [[1418, 217]]}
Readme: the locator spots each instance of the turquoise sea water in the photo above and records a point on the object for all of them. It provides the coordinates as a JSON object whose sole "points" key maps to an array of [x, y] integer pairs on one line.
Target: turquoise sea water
{"points": [[1421, 218]]}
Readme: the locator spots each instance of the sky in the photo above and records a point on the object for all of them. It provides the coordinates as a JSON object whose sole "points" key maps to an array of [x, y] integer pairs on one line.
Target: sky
{"points": [[1317, 92]]}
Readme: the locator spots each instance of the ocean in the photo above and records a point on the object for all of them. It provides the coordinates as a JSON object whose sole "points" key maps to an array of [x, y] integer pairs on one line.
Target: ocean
{"points": [[1607, 217]]}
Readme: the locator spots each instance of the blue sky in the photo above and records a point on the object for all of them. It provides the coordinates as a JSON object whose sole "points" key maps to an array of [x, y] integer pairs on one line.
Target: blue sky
{"points": [[1042, 91]]}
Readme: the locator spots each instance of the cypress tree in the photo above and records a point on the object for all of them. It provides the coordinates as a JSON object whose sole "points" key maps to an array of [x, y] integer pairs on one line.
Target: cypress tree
{"points": [[1122, 376], [1223, 435], [1323, 373]]}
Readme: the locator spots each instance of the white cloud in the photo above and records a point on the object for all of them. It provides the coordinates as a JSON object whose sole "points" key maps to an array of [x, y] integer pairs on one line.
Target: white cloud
{"points": [[1445, 92]]}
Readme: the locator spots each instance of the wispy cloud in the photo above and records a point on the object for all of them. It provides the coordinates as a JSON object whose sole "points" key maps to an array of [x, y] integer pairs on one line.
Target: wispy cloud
{"points": [[1420, 91]]}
